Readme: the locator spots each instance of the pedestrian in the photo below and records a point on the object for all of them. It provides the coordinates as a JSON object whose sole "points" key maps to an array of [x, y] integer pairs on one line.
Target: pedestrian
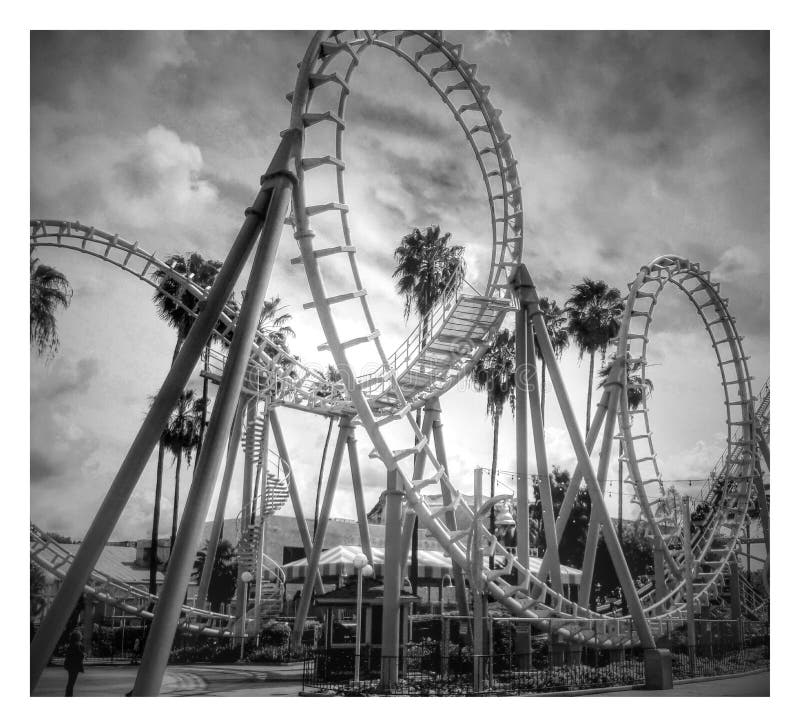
{"points": [[73, 662], [137, 647]]}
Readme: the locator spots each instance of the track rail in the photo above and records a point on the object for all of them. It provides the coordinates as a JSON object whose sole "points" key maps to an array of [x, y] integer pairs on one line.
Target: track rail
{"points": [[520, 591], [715, 544], [54, 559], [271, 371]]}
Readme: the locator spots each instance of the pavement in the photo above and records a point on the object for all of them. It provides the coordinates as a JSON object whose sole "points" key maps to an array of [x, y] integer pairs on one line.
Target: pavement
{"points": [[747, 685], [285, 680]]}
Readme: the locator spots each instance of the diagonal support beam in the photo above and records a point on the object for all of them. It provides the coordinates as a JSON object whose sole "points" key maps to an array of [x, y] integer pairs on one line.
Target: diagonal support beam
{"points": [[410, 517], [551, 561], [447, 499], [147, 437], [294, 494], [530, 300], [358, 492], [167, 613], [345, 429], [613, 386], [222, 500]]}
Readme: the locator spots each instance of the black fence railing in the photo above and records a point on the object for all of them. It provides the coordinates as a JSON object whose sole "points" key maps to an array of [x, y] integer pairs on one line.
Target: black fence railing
{"points": [[448, 668], [423, 670], [721, 647]]}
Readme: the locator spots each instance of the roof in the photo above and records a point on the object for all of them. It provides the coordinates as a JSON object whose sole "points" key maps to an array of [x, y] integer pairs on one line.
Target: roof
{"points": [[372, 593], [338, 561], [119, 562]]}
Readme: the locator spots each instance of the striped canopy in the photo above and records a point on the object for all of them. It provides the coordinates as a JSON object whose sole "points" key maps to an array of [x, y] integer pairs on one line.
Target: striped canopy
{"points": [[338, 561]]}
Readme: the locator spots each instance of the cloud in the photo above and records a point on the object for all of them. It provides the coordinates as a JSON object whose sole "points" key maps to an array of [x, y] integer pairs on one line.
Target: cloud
{"points": [[495, 37], [64, 380]]}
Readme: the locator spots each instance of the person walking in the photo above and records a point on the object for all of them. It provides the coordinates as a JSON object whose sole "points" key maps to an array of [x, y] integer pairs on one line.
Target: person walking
{"points": [[137, 649], [73, 661]]}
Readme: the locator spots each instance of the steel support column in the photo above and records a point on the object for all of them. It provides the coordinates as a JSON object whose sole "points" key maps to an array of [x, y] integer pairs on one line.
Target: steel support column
{"points": [[162, 631], [219, 515], [358, 492], [392, 574], [551, 560], [153, 425], [345, 429], [530, 300], [450, 520], [523, 632], [294, 495]]}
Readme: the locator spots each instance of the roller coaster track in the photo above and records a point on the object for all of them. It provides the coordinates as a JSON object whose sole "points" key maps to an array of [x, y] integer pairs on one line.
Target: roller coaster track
{"points": [[330, 63], [715, 543], [459, 332], [272, 371], [55, 560]]}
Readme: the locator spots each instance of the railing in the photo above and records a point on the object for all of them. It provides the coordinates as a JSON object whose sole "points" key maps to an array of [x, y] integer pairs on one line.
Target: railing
{"points": [[449, 668], [375, 382]]}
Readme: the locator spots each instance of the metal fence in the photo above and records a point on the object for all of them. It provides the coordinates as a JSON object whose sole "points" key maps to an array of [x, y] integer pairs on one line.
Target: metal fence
{"points": [[447, 666]]}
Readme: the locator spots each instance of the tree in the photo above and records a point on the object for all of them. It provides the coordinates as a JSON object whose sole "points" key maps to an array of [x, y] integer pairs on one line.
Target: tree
{"points": [[593, 310], [332, 375], [203, 273], [494, 373], [429, 269], [636, 388], [555, 322], [222, 586], [59, 538], [38, 583], [181, 437], [49, 290]]}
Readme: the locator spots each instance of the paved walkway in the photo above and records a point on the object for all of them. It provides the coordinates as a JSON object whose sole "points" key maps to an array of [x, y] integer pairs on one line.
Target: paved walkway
{"points": [[749, 685], [285, 680]]}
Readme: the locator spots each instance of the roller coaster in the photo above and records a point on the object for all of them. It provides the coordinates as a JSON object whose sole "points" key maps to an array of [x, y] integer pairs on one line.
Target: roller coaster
{"points": [[256, 378]]}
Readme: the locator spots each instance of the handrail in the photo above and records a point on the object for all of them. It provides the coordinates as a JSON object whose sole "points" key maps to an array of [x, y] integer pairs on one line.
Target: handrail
{"points": [[406, 351]]}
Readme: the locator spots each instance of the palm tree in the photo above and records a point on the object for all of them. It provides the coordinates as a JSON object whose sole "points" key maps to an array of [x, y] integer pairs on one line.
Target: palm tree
{"points": [[49, 290], [222, 586], [202, 272], [181, 438], [494, 373], [332, 375], [637, 386], [555, 322], [594, 310], [428, 269]]}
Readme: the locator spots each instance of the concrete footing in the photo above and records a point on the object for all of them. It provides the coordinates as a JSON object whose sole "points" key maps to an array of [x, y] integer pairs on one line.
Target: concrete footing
{"points": [[657, 669]]}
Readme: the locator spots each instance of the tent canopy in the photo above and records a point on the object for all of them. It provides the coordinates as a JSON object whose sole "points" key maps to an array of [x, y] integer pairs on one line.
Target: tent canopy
{"points": [[338, 562]]}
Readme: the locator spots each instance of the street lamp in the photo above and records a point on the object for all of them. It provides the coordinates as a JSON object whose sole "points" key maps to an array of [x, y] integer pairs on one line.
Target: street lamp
{"points": [[474, 553], [363, 568], [245, 578]]}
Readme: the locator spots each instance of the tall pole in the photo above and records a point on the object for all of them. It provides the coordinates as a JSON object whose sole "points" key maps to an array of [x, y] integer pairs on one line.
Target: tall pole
{"points": [[247, 498], [447, 499], [689, 578], [358, 492], [146, 439], [157, 648], [531, 301], [219, 515], [345, 428], [392, 575], [551, 560], [294, 494], [614, 383], [523, 634]]}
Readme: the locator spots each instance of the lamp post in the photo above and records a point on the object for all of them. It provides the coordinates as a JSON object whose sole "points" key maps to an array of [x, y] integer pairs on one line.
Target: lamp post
{"points": [[363, 568], [474, 552], [245, 578]]}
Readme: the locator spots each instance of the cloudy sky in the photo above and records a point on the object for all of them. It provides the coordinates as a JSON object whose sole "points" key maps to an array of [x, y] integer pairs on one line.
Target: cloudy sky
{"points": [[630, 145]]}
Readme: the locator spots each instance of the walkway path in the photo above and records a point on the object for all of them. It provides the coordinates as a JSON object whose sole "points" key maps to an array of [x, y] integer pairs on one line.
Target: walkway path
{"points": [[268, 680]]}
